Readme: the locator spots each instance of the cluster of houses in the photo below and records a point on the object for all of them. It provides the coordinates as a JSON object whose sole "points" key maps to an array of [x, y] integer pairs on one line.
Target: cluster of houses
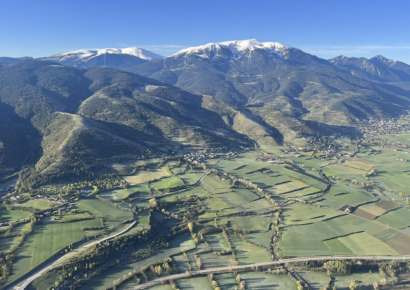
{"points": [[51, 198], [200, 156], [384, 126], [17, 197]]}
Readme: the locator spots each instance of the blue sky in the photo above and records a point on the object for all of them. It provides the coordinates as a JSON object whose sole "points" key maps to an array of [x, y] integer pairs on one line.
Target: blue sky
{"points": [[324, 28]]}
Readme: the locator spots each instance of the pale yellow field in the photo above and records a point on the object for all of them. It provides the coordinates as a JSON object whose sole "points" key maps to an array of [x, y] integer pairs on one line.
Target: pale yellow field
{"points": [[144, 176], [373, 209], [359, 164], [286, 187]]}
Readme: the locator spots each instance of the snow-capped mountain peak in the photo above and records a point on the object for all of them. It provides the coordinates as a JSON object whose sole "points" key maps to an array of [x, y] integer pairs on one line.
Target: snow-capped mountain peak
{"points": [[90, 53], [237, 48]]}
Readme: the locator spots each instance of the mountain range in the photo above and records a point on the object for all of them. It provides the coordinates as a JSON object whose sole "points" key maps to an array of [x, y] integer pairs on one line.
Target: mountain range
{"points": [[69, 114]]}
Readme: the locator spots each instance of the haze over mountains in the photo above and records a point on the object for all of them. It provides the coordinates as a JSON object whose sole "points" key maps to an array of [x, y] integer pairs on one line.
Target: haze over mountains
{"points": [[65, 114]]}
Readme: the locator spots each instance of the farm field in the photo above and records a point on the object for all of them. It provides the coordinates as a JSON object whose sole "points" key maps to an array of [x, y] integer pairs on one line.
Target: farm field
{"points": [[181, 242], [258, 280], [190, 178], [226, 281], [217, 242], [169, 182], [317, 280], [40, 204], [303, 192], [247, 253], [316, 237], [399, 218], [294, 206], [343, 171], [13, 215], [288, 187], [6, 243], [144, 176], [262, 239], [345, 193], [199, 283], [198, 191], [113, 217], [213, 184], [259, 223], [9, 183], [365, 244], [299, 213], [47, 239], [343, 281]]}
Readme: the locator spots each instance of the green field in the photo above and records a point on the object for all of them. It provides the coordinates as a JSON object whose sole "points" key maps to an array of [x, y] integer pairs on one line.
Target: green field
{"points": [[316, 280], [213, 184], [190, 178], [226, 281], [181, 263], [345, 193], [169, 182], [144, 176], [399, 218], [303, 192], [287, 187], [198, 191], [9, 183], [228, 166], [258, 280], [209, 260], [113, 217], [263, 238], [365, 244], [258, 223], [47, 239], [7, 243], [300, 213], [160, 287], [35, 203], [183, 241], [238, 197], [197, 283], [13, 215], [44, 281], [217, 242], [311, 227], [137, 191], [314, 235], [343, 281], [247, 253], [214, 203]]}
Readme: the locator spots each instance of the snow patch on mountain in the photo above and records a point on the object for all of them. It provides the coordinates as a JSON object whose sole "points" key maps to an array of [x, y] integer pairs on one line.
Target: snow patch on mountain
{"points": [[237, 48], [86, 54]]}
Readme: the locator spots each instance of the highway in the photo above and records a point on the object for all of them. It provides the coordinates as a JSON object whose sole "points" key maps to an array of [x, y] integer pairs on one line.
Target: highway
{"points": [[66, 256], [248, 267], [69, 254]]}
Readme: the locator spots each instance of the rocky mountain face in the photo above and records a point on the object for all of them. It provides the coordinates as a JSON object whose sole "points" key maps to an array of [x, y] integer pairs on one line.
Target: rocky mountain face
{"points": [[62, 118], [377, 68], [280, 85], [107, 57], [65, 121]]}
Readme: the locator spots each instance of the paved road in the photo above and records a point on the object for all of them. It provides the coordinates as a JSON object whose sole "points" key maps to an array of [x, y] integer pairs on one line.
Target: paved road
{"points": [[189, 188], [248, 266], [68, 255]]}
